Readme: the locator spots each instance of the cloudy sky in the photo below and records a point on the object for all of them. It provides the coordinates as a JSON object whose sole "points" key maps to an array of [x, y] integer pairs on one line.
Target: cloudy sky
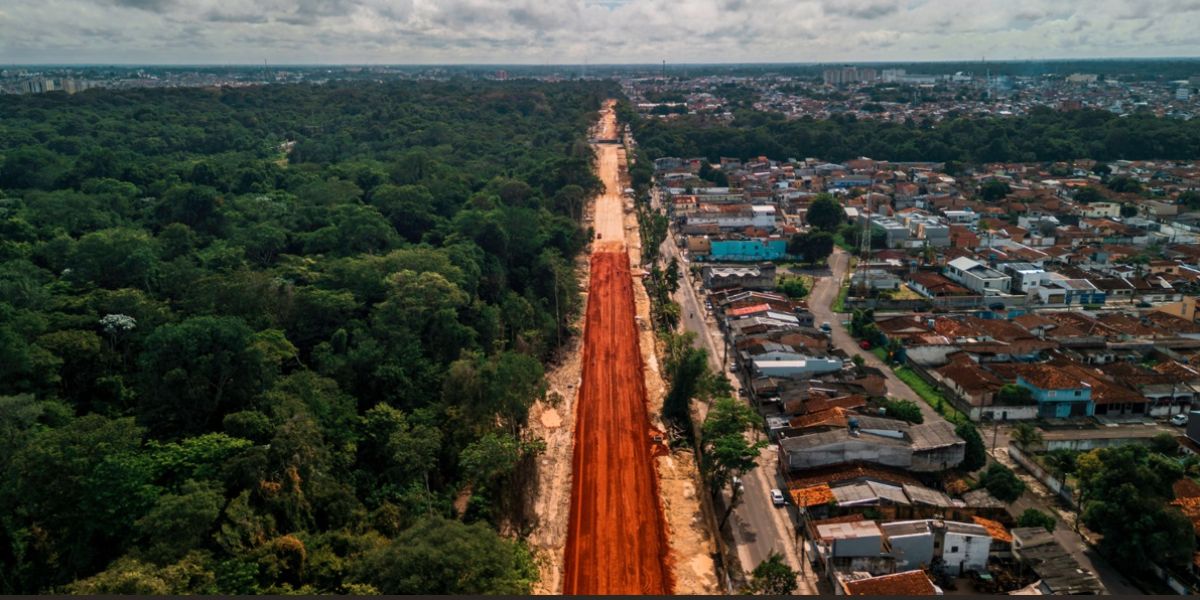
{"points": [[596, 31]]}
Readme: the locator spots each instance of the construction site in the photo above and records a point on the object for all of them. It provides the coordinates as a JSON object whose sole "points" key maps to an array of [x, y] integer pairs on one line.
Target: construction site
{"points": [[617, 512]]}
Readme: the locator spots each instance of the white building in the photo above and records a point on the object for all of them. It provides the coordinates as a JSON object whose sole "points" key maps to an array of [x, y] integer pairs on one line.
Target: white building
{"points": [[978, 277], [807, 367]]}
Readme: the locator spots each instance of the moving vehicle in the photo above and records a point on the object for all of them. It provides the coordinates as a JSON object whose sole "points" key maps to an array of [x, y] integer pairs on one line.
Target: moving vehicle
{"points": [[826, 326], [777, 497], [1179, 420]]}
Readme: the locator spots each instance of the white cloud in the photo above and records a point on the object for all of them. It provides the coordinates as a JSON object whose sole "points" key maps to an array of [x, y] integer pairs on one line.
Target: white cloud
{"points": [[599, 31]]}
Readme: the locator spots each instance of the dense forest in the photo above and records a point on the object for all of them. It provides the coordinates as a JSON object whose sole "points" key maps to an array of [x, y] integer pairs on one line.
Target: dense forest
{"points": [[1043, 135], [282, 338]]}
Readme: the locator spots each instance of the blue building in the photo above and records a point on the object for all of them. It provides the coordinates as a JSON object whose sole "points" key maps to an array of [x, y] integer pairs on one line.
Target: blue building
{"points": [[1058, 393], [754, 250]]}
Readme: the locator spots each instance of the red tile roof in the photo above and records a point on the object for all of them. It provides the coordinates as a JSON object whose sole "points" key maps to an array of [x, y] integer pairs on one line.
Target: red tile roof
{"points": [[908, 583], [994, 528]]}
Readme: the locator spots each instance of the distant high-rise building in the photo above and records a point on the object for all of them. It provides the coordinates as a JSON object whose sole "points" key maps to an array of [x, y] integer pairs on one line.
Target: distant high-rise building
{"points": [[1081, 78], [502, 75], [848, 74], [892, 75], [1183, 93]]}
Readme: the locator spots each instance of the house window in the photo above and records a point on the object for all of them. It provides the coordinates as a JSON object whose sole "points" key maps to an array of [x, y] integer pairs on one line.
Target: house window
{"points": [[954, 549], [1078, 393]]}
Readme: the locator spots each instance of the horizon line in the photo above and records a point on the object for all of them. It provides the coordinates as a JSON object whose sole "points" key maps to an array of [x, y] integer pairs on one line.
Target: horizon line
{"points": [[657, 64]]}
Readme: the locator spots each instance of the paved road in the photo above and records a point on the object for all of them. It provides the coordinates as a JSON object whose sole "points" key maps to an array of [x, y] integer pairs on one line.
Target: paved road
{"points": [[759, 528], [820, 301]]}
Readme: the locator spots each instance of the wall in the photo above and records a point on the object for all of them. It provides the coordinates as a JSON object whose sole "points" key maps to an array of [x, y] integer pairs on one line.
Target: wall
{"points": [[912, 551], [972, 552], [1064, 491]]}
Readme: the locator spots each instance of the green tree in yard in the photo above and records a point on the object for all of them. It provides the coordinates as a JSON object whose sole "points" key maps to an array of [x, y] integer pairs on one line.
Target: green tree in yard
{"points": [[1026, 436], [1002, 483], [441, 556], [1190, 199], [975, 455], [792, 287], [1164, 443], [1011, 394], [1125, 491], [825, 213], [1124, 184], [818, 246], [772, 577], [1061, 462], [993, 190], [905, 410], [1033, 517], [1088, 195]]}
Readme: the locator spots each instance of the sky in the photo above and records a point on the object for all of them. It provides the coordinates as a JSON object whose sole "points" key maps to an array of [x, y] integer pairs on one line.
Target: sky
{"points": [[591, 31]]}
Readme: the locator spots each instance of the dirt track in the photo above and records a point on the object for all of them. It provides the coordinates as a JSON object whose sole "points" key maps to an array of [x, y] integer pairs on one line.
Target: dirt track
{"points": [[617, 541]]}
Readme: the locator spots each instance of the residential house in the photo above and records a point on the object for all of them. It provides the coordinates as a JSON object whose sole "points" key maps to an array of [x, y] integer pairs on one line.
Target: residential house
{"points": [[1058, 394], [927, 447], [1058, 572], [978, 277]]}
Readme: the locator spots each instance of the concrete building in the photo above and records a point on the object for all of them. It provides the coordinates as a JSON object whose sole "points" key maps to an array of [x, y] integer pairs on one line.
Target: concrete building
{"points": [[928, 447], [758, 277], [796, 369], [745, 250], [875, 279], [962, 547], [1057, 289], [1026, 277], [931, 230], [853, 546], [896, 233], [978, 277]]}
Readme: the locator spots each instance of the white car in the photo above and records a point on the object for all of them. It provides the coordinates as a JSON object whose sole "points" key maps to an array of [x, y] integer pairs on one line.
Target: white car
{"points": [[1179, 420], [777, 497]]}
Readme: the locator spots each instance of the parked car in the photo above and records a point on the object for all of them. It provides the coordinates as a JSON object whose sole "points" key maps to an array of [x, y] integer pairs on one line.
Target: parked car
{"points": [[737, 484], [826, 327], [777, 497], [1144, 304], [865, 345], [1179, 420]]}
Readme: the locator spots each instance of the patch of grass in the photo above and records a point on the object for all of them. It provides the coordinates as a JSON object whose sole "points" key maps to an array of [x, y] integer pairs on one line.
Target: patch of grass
{"points": [[880, 352], [840, 241], [931, 395], [839, 303]]}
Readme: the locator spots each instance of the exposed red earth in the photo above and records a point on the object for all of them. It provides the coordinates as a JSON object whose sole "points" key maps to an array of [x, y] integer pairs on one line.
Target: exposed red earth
{"points": [[616, 542]]}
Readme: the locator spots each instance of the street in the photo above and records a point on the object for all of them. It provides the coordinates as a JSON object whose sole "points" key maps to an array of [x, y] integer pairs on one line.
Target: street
{"points": [[820, 301], [759, 527]]}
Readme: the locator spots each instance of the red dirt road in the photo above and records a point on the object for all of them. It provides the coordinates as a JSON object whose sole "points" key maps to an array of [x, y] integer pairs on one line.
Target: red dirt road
{"points": [[617, 540]]}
